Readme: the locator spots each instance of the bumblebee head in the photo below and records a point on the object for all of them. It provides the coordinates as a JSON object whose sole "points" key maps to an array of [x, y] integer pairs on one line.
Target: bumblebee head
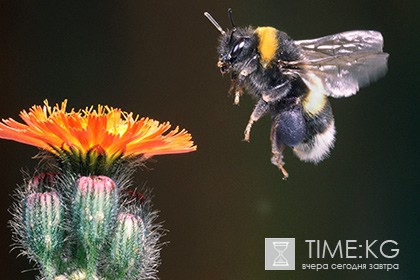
{"points": [[236, 45]]}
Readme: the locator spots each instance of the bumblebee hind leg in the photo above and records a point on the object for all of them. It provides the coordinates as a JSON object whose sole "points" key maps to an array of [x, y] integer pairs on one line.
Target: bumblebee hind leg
{"points": [[277, 149], [277, 156], [288, 129]]}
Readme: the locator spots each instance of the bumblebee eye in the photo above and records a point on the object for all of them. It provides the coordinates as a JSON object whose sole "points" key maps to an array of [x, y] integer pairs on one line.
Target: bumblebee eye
{"points": [[237, 49]]}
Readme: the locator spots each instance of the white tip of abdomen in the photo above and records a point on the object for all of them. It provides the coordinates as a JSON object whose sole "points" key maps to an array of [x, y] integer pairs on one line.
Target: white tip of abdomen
{"points": [[318, 148]]}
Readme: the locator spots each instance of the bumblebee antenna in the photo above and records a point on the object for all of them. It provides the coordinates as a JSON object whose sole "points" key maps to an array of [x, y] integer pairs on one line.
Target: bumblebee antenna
{"points": [[212, 20], [231, 19]]}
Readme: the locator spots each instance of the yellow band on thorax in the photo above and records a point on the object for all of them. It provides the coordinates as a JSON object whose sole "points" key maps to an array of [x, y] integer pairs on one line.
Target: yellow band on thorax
{"points": [[268, 44]]}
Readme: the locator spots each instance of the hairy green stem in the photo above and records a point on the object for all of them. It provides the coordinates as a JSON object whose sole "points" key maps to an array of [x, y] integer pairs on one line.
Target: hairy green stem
{"points": [[49, 270]]}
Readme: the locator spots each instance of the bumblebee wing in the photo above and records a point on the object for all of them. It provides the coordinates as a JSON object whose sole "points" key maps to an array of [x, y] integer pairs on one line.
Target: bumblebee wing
{"points": [[344, 62]]}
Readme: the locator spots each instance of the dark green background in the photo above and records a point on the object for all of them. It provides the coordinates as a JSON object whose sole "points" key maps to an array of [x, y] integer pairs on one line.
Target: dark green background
{"points": [[158, 59]]}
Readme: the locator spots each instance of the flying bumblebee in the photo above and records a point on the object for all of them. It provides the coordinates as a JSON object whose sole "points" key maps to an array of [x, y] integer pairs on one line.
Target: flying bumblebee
{"points": [[291, 80]]}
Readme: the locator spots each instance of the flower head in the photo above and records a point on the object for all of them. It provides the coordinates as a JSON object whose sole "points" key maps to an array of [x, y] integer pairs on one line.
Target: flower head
{"points": [[75, 217], [106, 131]]}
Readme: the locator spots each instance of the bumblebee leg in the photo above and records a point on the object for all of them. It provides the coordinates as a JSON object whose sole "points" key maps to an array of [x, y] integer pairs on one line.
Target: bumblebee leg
{"points": [[236, 87], [238, 93], [277, 154], [239, 82], [250, 66], [277, 160], [260, 110]]}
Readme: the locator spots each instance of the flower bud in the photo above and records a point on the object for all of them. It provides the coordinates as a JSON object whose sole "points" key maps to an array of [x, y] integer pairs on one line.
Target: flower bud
{"points": [[42, 219], [127, 246], [94, 209], [41, 182]]}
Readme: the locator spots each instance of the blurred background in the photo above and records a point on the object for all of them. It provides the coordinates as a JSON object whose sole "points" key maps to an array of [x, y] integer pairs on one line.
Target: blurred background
{"points": [[158, 59]]}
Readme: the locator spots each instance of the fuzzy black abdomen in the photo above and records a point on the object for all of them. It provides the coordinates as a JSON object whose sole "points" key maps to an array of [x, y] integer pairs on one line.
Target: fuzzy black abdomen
{"points": [[290, 126]]}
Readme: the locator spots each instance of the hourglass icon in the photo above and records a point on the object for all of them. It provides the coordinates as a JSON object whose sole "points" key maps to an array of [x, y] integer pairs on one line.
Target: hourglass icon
{"points": [[280, 247]]}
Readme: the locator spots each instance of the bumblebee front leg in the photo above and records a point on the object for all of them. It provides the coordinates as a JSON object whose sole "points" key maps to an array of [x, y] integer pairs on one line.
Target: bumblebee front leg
{"points": [[238, 93], [249, 68], [277, 153], [260, 110], [237, 87]]}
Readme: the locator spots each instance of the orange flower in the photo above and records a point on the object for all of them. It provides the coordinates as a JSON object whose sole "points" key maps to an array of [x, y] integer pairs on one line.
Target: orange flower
{"points": [[106, 130]]}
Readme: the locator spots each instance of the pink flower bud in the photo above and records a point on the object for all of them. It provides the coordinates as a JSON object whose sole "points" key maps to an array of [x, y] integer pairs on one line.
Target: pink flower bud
{"points": [[43, 224], [95, 206], [127, 247], [41, 182]]}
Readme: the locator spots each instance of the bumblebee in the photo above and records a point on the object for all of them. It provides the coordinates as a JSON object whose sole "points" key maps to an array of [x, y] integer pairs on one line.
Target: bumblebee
{"points": [[292, 80]]}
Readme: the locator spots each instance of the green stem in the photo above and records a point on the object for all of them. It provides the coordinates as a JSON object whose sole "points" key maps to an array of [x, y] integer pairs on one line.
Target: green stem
{"points": [[48, 270], [91, 262]]}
